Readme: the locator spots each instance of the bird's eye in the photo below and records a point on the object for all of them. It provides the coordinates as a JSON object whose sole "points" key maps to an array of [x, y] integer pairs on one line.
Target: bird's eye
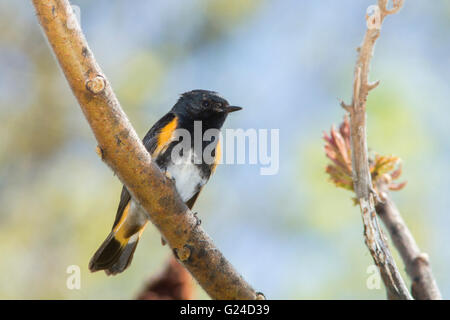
{"points": [[205, 104], [218, 105]]}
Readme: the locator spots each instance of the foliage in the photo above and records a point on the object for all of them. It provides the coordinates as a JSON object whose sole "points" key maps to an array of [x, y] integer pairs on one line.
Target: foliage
{"points": [[384, 169]]}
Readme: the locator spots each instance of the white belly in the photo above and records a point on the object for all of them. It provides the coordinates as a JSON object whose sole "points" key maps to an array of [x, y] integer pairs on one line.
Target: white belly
{"points": [[188, 178]]}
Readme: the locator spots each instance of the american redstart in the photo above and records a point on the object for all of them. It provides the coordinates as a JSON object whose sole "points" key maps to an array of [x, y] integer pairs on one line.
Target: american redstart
{"points": [[189, 175]]}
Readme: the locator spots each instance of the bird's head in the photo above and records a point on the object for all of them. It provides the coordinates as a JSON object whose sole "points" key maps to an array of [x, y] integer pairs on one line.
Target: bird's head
{"points": [[204, 104]]}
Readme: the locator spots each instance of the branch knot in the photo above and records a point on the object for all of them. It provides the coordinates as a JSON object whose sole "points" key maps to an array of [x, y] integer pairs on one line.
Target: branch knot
{"points": [[96, 85]]}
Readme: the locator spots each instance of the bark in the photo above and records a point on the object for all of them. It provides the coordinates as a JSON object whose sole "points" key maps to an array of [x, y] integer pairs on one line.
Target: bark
{"points": [[362, 181], [417, 265], [120, 147]]}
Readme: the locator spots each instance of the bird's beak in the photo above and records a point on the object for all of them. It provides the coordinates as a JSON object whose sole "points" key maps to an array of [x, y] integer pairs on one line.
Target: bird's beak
{"points": [[230, 109]]}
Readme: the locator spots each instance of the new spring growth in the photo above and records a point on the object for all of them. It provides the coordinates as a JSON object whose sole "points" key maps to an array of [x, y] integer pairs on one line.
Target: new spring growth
{"points": [[383, 169]]}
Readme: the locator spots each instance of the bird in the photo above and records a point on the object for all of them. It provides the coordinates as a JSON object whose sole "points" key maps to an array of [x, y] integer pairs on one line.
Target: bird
{"points": [[189, 176]]}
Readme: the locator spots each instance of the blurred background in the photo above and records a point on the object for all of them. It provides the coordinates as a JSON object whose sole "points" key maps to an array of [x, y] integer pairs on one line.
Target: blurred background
{"points": [[293, 235]]}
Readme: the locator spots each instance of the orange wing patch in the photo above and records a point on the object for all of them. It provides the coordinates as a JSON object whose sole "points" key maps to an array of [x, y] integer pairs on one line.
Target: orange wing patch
{"points": [[218, 155], [165, 136]]}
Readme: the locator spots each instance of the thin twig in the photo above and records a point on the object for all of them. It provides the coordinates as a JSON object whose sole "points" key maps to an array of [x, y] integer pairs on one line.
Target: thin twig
{"points": [[417, 265], [374, 237], [121, 148], [385, 170]]}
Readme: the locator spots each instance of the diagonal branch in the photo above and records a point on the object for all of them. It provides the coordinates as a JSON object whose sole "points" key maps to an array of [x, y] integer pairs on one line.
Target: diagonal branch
{"points": [[121, 148], [384, 171], [362, 183], [424, 286]]}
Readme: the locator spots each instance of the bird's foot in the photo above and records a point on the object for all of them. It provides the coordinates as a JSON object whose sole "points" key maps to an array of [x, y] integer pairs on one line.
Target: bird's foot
{"points": [[199, 222]]}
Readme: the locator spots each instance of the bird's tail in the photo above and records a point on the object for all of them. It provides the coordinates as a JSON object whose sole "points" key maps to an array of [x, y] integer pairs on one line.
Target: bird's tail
{"points": [[116, 252]]}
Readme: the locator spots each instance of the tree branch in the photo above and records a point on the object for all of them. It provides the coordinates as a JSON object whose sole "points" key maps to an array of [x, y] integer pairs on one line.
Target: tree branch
{"points": [[417, 265], [384, 170], [362, 183], [121, 148]]}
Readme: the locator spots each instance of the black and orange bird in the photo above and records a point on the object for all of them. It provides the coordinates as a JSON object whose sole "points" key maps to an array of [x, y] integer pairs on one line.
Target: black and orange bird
{"points": [[116, 252]]}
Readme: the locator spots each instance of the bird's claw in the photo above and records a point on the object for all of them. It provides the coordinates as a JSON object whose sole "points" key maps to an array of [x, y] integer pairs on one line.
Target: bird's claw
{"points": [[199, 222]]}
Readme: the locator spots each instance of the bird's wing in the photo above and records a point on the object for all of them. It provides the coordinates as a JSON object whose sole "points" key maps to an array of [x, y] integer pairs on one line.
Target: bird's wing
{"points": [[155, 141], [161, 134]]}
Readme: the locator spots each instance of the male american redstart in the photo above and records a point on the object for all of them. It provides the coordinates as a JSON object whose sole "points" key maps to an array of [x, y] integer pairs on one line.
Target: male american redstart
{"points": [[189, 177]]}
